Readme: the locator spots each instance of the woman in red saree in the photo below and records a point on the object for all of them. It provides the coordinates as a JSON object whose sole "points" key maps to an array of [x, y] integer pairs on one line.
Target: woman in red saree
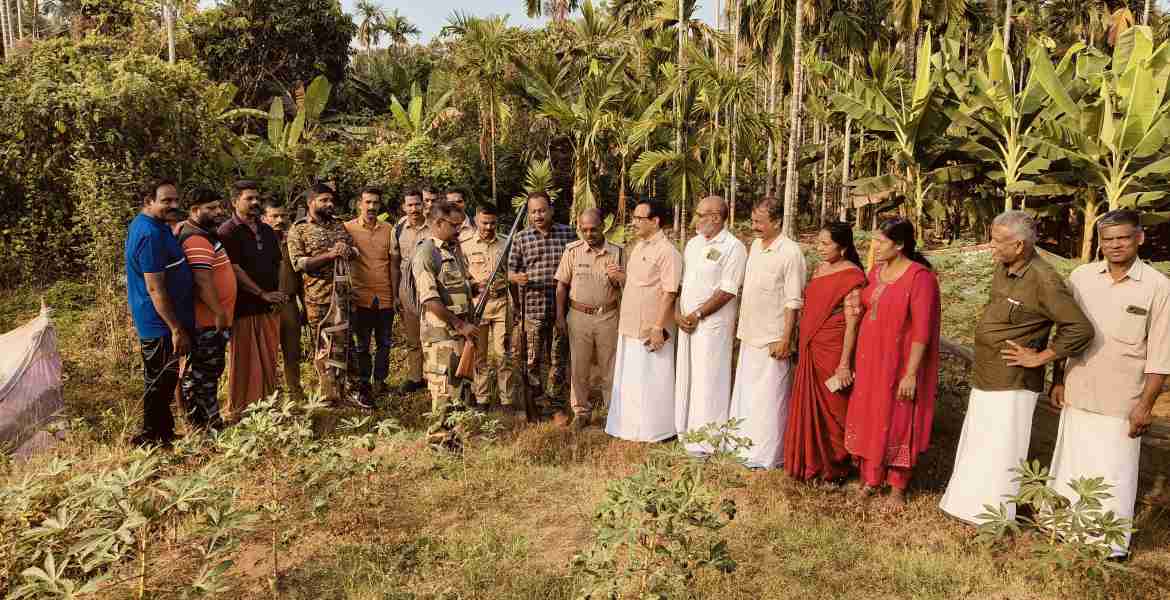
{"points": [[814, 442], [892, 406]]}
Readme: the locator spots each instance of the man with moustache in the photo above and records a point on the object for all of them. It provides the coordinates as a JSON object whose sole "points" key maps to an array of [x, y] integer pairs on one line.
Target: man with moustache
{"points": [[215, 303], [642, 404], [458, 198], [315, 244], [429, 195], [255, 254], [1107, 396], [373, 313], [160, 291], [588, 297], [532, 265], [411, 229], [276, 216], [1028, 301], [713, 268], [483, 253]]}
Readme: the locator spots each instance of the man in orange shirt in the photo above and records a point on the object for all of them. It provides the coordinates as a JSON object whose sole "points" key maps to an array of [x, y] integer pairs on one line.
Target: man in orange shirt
{"points": [[215, 301], [373, 312]]}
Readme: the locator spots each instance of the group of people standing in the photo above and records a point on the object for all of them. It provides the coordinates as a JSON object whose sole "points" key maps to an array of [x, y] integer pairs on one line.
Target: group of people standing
{"points": [[835, 373]]}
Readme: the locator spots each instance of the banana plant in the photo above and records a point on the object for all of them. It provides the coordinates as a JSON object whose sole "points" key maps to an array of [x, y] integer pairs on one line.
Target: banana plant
{"points": [[286, 137], [417, 119]]}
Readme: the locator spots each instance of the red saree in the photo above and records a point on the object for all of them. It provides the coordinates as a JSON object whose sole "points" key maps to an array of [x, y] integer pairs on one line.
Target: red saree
{"points": [[814, 440], [884, 434]]}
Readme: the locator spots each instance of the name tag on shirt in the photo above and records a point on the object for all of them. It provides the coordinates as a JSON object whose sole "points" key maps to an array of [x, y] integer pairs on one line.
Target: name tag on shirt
{"points": [[1136, 310]]}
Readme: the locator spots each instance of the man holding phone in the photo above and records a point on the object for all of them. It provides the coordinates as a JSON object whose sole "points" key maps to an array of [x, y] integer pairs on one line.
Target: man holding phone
{"points": [[642, 402]]}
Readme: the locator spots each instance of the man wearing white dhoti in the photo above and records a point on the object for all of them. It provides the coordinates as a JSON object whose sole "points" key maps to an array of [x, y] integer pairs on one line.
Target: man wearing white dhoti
{"points": [[642, 402], [773, 293], [1028, 297], [713, 264], [1108, 393]]}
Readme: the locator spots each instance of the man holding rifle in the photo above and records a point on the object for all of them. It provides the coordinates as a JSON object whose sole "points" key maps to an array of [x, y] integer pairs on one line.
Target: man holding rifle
{"points": [[483, 252], [444, 293]]}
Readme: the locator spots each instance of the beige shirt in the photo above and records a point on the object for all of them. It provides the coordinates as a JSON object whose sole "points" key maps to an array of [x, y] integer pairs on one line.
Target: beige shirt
{"points": [[774, 281], [654, 269], [1132, 320], [403, 244], [370, 270], [482, 256], [467, 231], [583, 269]]}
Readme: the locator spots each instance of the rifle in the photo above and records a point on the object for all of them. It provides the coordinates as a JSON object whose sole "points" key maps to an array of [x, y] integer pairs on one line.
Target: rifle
{"points": [[466, 366]]}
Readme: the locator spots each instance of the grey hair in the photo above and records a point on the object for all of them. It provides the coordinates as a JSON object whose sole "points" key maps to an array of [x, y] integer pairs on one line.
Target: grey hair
{"points": [[1022, 224], [723, 210], [1120, 216]]}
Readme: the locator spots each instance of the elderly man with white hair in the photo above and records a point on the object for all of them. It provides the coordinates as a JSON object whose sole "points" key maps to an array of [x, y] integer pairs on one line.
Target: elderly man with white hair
{"points": [[1012, 346], [713, 267]]}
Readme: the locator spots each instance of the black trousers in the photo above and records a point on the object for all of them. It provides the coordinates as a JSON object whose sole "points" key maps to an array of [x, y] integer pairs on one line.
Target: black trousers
{"points": [[160, 372], [372, 323]]}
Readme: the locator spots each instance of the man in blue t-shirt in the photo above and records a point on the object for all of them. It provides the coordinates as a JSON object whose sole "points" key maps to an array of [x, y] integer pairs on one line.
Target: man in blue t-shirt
{"points": [[160, 287]]}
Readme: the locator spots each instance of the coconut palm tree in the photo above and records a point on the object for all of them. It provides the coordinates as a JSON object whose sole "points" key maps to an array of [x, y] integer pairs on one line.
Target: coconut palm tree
{"points": [[398, 28], [557, 9], [371, 21]]}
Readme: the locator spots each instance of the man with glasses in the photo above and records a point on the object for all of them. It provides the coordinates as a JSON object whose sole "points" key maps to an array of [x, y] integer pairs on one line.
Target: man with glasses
{"points": [[642, 402], [713, 269], [1107, 396], [532, 265], [444, 293], [1012, 346]]}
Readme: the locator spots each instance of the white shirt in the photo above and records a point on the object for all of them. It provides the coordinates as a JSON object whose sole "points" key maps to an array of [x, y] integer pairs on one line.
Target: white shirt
{"points": [[709, 265], [774, 281]]}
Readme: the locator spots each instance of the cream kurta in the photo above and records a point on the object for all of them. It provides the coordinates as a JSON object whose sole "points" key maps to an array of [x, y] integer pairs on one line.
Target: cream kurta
{"points": [[702, 388]]}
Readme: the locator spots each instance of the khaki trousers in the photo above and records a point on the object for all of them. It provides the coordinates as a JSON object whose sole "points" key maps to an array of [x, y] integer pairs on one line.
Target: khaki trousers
{"points": [[414, 353], [592, 339], [290, 347], [493, 347]]}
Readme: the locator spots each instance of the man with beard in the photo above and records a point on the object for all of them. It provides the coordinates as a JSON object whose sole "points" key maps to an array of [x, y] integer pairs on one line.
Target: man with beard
{"points": [[276, 216], [411, 229], [1107, 397], [373, 313], [1028, 301], [713, 268], [255, 253], [532, 265], [589, 292], [215, 303], [315, 244], [642, 403], [159, 286]]}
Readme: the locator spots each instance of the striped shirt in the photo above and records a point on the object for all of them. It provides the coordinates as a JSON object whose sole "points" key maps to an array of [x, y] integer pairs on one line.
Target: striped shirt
{"points": [[538, 255], [205, 253]]}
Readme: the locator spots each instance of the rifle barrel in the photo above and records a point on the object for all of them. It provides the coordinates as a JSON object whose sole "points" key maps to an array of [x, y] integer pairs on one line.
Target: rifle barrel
{"points": [[481, 305]]}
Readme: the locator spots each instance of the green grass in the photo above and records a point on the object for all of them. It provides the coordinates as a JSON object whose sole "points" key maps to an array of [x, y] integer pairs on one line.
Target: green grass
{"points": [[504, 520]]}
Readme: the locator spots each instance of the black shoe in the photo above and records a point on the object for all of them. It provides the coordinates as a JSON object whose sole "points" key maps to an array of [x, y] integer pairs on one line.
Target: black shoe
{"points": [[411, 387]]}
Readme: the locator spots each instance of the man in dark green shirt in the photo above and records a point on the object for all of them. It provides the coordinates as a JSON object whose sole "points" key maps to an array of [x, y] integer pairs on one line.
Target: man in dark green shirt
{"points": [[1029, 301]]}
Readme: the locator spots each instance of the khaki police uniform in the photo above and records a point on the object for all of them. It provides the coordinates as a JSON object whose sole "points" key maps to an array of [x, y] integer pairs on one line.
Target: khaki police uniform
{"points": [[592, 320], [404, 241], [447, 282], [493, 343]]}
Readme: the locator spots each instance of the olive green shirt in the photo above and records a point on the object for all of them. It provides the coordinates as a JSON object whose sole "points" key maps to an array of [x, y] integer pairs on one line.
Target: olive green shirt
{"points": [[1024, 307]]}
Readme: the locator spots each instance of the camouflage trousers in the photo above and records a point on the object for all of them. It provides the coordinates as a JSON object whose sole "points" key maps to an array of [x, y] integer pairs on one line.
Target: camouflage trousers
{"points": [[199, 387], [547, 360], [437, 363]]}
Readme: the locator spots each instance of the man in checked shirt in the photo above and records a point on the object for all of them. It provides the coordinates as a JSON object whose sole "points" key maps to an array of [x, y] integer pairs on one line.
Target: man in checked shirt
{"points": [[532, 265]]}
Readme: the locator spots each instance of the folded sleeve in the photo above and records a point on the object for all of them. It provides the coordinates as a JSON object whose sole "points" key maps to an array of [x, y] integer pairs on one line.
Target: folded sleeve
{"points": [[795, 274], [1158, 338], [731, 278]]}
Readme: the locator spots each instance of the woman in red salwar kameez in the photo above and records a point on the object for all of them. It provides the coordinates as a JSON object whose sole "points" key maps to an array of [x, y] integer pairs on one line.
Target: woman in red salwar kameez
{"points": [[814, 443], [892, 405]]}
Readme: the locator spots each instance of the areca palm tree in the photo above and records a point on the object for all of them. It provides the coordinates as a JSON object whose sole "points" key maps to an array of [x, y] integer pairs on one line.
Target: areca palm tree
{"points": [[398, 28], [371, 20], [794, 114], [557, 9]]}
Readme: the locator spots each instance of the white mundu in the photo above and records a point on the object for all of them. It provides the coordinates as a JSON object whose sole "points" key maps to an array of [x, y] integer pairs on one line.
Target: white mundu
{"points": [[773, 283], [702, 384]]}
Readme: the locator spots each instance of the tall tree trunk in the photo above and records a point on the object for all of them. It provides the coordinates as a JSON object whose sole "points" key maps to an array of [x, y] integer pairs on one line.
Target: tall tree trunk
{"points": [[771, 169], [733, 119], [621, 216], [825, 201], [492, 142], [679, 133], [169, 20], [790, 179], [1146, 14], [19, 20], [843, 208], [6, 26], [1007, 26], [1092, 206]]}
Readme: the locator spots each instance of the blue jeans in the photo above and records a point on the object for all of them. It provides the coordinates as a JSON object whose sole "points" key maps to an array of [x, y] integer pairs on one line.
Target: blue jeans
{"points": [[372, 323]]}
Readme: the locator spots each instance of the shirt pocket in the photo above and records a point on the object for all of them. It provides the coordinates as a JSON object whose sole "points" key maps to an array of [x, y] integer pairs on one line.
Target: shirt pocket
{"points": [[1132, 322]]}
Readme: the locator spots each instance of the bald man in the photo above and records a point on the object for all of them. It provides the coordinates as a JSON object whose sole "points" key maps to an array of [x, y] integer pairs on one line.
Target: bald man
{"points": [[713, 268], [588, 297]]}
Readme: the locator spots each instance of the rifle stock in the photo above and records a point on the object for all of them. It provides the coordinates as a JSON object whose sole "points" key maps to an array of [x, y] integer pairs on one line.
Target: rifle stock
{"points": [[466, 367]]}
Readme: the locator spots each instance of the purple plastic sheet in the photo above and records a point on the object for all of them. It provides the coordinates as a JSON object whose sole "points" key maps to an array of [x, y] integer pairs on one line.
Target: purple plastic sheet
{"points": [[30, 381]]}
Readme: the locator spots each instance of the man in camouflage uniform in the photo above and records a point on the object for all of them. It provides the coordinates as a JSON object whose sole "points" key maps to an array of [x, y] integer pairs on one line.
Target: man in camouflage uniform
{"points": [[444, 293], [483, 252], [315, 245]]}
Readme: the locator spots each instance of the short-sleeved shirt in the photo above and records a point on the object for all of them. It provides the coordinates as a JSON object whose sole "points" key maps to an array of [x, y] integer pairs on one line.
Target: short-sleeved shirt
{"points": [[1023, 307], [538, 255], [1132, 319], [205, 252], [710, 265], [482, 256], [152, 248], [583, 269], [773, 281], [466, 231], [405, 238], [254, 248], [308, 239], [446, 281], [655, 268], [370, 271]]}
